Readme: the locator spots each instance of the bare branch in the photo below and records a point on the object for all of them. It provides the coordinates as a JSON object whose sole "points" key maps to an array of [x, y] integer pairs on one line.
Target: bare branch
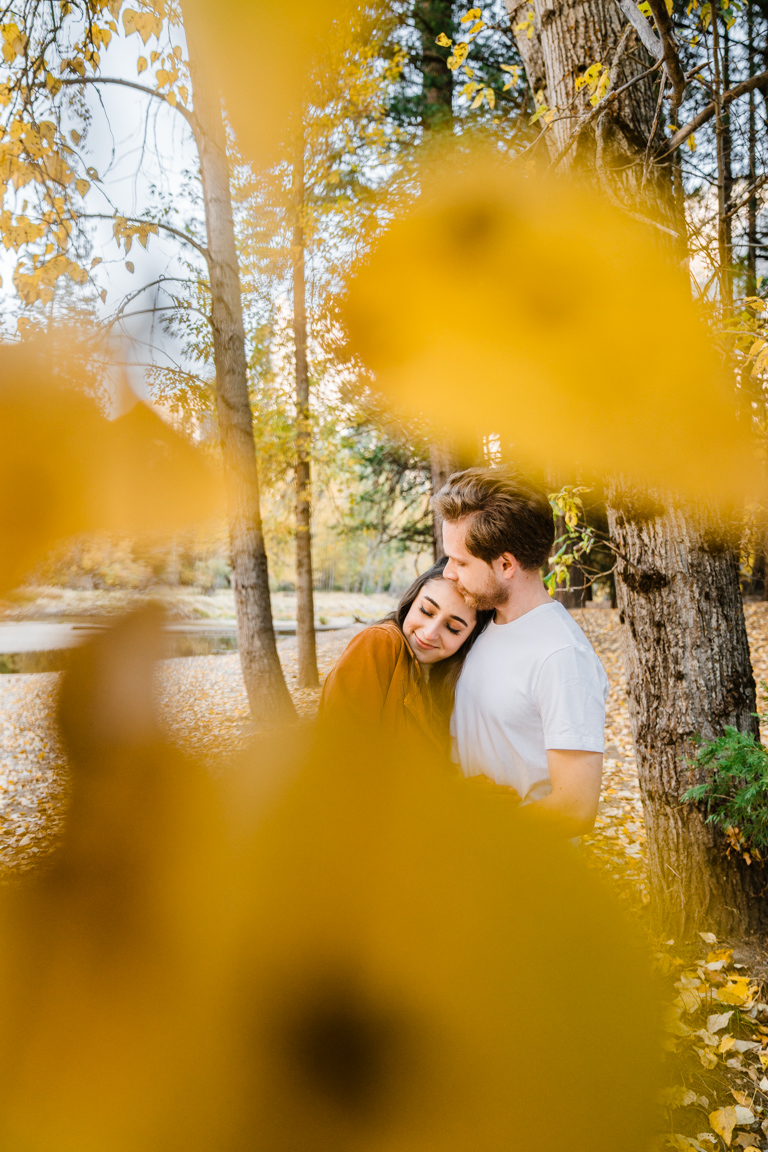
{"points": [[671, 59], [647, 35], [157, 223], [760, 81], [188, 115], [609, 98]]}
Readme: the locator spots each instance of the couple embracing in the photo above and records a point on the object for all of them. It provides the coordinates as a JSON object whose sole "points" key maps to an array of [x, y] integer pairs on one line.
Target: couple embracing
{"points": [[479, 658]]}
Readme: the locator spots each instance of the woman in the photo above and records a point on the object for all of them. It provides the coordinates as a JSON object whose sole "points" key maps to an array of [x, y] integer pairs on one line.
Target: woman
{"points": [[398, 676]]}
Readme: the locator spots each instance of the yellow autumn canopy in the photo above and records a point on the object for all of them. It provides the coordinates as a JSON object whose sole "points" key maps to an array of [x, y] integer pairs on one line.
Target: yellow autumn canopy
{"points": [[522, 305]]}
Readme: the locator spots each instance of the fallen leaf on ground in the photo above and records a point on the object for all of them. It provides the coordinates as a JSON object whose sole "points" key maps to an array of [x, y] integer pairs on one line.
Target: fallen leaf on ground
{"points": [[717, 1021], [723, 1122]]}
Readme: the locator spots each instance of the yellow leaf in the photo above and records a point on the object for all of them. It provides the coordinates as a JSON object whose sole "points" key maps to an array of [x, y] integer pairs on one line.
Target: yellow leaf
{"points": [[763, 1058], [737, 991], [473, 14], [477, 100], [141, 64], [177, 51], [691, 142], [406, 277], [75, 136], [129, 266], [707, 1058], [726, 1043], [443, 40], [723, 1122], [82, 186]]}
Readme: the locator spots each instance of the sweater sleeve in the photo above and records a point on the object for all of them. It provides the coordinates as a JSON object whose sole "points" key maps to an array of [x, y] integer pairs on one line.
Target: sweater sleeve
{"points": [[357, 686]]}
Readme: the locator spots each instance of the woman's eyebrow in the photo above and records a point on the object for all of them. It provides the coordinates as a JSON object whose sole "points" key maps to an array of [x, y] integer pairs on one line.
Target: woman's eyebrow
{"points": [[459, 618]]}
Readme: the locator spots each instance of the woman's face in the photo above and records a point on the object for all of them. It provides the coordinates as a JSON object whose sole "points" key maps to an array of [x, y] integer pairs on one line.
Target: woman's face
{"points": [[438, 622]]}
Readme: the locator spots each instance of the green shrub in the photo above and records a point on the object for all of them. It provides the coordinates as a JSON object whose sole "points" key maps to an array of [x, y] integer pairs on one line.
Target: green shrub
{"points": [[735, 793]]}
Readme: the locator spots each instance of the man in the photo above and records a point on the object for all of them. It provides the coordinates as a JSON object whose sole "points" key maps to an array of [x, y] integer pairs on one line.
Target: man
{"points": [[530, 703]]}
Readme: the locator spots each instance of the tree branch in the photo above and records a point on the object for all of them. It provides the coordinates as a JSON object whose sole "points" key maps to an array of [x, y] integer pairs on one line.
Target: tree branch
{"points": [[188, 115], [708, 111], [671, 59], [609, 98], [649, 38], [157, 223]]}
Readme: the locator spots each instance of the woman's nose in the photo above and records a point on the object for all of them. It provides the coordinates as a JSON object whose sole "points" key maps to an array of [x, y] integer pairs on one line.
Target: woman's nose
{"points": [[431, 630]]}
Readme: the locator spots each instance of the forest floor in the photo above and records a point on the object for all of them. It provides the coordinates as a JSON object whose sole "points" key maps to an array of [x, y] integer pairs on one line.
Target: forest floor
{"points": [[717, 1017]]}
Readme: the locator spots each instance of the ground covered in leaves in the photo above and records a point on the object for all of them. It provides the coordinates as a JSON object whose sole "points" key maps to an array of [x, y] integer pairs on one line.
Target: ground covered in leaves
{"points": [[716, 1014]]}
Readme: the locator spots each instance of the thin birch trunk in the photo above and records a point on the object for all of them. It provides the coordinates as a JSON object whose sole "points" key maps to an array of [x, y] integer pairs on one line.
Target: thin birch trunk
{"points": [[305, 600], [268, 696]]}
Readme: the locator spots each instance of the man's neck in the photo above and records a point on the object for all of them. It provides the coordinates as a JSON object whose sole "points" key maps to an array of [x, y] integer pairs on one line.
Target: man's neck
{"points": [[527, 592]]}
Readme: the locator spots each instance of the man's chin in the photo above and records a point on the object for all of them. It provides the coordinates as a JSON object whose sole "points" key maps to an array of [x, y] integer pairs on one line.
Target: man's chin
{"points": [[479, 602]]}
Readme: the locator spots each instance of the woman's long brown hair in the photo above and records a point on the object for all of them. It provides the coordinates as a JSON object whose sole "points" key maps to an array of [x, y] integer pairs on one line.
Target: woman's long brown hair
{"points": [[444, 675]]}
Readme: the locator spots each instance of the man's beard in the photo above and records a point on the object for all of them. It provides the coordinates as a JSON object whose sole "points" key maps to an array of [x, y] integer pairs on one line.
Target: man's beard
{"points": [[491, 597]]}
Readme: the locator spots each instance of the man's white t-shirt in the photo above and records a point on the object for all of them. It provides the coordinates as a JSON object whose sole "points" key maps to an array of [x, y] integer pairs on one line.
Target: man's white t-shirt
{"points": [[533, 684]]}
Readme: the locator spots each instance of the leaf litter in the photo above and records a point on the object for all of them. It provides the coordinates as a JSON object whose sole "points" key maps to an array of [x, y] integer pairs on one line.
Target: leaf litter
{"points": [[715, 1017]]}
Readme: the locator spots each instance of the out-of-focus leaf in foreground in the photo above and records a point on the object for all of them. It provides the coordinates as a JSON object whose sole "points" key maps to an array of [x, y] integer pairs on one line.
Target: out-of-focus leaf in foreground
{"points": [[355, 953], [261, 55], [506, 302], [65, 468]]}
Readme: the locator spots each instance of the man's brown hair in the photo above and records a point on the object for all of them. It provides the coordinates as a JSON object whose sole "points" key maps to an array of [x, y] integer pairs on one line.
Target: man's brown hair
{"points": [[504, 514]]}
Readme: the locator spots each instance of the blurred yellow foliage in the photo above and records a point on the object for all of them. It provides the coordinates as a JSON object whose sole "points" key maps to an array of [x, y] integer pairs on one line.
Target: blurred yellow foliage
{"points": [[346, 948], [512, 303], [261, 54], [66, 469]]}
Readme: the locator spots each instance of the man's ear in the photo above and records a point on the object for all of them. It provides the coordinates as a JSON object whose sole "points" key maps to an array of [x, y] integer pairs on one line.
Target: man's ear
{"points": [[507, 566]]}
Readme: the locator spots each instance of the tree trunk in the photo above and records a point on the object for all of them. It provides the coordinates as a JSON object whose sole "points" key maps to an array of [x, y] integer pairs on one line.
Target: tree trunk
{"points": [[752, 237], [431, 17], [689, 674], [442, 464], [577, 592], [305, 600], [267, 694], [684, 635]]}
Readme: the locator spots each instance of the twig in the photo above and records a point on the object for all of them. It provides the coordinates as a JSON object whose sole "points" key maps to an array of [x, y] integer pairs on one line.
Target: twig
{"points": [[672, 64], [607, 185], [708, 111], [609, 98]]}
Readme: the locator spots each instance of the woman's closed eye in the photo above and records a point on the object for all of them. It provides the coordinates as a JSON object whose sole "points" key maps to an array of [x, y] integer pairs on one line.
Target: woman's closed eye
{"points": [[425, 612]]}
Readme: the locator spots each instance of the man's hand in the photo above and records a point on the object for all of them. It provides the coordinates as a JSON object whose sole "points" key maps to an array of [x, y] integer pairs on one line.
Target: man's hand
{"points": [[571, 806]]}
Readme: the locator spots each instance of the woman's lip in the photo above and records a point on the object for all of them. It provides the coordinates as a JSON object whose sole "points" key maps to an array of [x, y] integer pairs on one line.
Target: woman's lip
{"points": [[421, 643]]}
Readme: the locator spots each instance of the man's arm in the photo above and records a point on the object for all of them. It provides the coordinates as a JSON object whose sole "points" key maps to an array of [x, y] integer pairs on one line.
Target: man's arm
{"points": [[571, 806]]}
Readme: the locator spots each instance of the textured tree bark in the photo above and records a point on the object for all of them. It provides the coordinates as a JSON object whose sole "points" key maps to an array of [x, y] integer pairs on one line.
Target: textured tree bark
{"points": [[684, 635], [442, 463], [577, 591], [268, 696], [305, 599], [529, 47], [689, 674]]}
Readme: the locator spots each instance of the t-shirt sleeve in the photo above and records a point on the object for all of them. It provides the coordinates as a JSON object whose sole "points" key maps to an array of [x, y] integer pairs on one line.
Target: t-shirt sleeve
{"points": [[570, 693]]}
